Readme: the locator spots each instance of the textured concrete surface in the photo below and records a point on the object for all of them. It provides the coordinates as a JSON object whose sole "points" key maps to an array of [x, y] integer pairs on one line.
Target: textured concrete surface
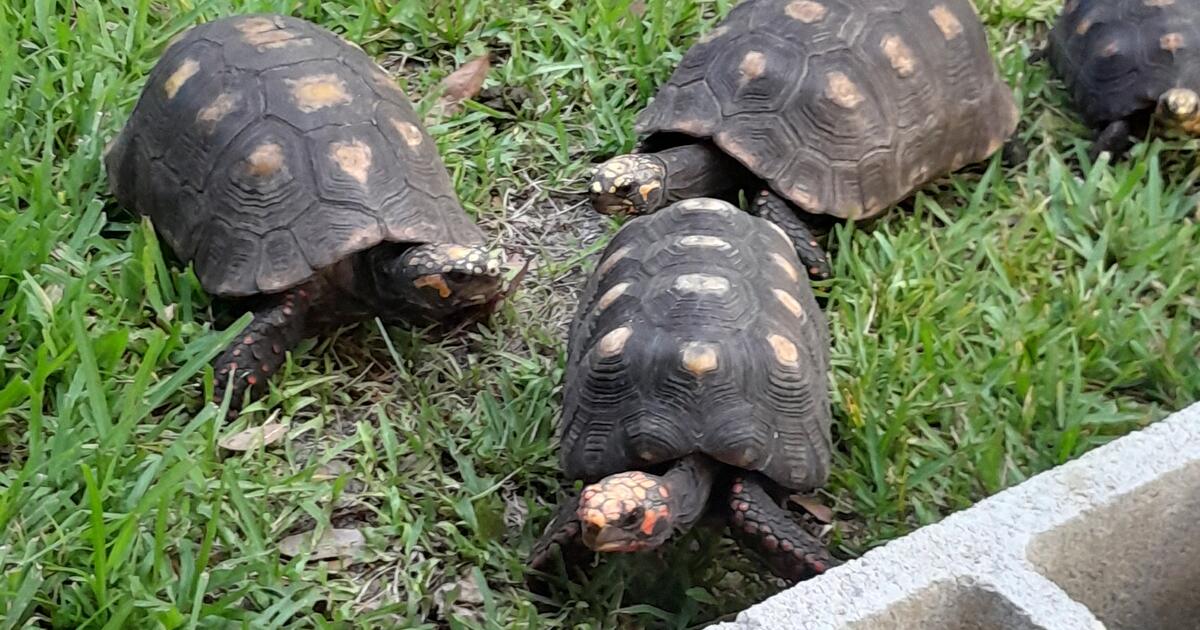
{"points": [[1110, 540]]}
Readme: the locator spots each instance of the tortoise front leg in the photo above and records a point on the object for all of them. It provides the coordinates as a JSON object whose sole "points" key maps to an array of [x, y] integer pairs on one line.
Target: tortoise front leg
{"points": [[769, 532], [278, 325], [1116, 138], [770, 206], [562, 532]]}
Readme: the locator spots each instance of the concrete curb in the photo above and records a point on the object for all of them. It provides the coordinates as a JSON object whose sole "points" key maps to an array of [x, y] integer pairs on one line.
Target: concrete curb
{"points": [[1109, 540]]}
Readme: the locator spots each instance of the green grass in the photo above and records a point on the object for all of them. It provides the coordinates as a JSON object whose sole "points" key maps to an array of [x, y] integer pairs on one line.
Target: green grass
{"points": [[996, 325]]}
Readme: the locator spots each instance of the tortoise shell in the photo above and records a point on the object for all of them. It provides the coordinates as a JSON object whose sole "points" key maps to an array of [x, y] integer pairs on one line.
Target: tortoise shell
{"points": [[698, 332], [1118, 56], [843, 107], [265, 148]]}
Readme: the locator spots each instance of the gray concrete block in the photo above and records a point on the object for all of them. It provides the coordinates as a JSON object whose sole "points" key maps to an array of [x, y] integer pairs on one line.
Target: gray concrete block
{"points": [[1109, 540]]}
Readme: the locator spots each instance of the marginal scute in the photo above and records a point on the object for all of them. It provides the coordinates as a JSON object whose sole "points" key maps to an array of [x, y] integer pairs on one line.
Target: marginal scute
{"points": [[613, 343], [410, 132], [786, 266], [713, 34], [785, 351], [946, 22], [611, 296], [789, 302], [612, 259], [185, 71]]}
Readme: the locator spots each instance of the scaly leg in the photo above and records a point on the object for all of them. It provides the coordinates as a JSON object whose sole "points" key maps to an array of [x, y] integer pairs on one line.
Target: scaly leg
{"points": [[562, 532], [278, 326], [1115, 138], [768, 531], [770, 206]]}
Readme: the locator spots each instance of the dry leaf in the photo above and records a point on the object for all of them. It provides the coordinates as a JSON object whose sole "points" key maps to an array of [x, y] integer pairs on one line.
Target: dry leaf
{"points": [[638, 8], [332, 470], [254, 437], [813, 506], [334, 543], [462, 595], [464, 83]]}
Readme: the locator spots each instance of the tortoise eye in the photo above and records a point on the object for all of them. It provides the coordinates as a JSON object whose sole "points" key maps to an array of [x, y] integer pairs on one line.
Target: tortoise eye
{"points": [[634, 516]]}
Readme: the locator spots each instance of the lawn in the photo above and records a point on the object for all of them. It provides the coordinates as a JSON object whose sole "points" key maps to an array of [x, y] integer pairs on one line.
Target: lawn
{"points": [[998, 323]]}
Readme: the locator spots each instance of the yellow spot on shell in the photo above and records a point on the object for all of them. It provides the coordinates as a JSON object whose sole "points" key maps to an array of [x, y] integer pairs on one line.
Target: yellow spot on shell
{"points": [[703, 240], [785, 351], [354, 158], [185, 71], [218, 108], [899, 55], [614, 342], [705, 204], [1171, 41], [946, 22], [699, 358], [318, 91], [789, 302], [805, 11], [841, 90], [612, 259], [410, 132], [266, 160], [701, 283], [786, 266], [611, 296], [1084, 25], [752, 66]]}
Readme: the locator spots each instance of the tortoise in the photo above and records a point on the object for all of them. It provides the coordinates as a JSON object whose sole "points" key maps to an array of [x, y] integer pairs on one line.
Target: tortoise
{"points": [[295, 176], [696, 385], [1128, 63], [818, 110]]}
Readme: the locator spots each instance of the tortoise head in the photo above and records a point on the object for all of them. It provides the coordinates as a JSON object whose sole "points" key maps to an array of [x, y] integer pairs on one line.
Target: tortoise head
{"points": [[629, 184], [626, 512], [445, 277], [1180, 108]]}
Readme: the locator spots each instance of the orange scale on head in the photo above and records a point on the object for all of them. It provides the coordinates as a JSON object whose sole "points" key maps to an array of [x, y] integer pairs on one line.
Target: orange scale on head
{"points": [[648, 522], [595, 517], [663, 492]]}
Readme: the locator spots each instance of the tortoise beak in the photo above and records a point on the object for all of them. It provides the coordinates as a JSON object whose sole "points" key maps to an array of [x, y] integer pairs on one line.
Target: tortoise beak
{"points": [[608, 539]]}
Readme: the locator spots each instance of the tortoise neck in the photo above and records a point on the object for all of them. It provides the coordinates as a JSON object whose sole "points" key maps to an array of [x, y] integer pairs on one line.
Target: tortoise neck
{"points": [[699, 170], [690, 482]]}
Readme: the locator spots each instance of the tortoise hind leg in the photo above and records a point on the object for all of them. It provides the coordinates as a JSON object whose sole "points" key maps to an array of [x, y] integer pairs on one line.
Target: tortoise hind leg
{"points": [[766, 530], [770, 206], [278, 325], [1116, 138]]}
